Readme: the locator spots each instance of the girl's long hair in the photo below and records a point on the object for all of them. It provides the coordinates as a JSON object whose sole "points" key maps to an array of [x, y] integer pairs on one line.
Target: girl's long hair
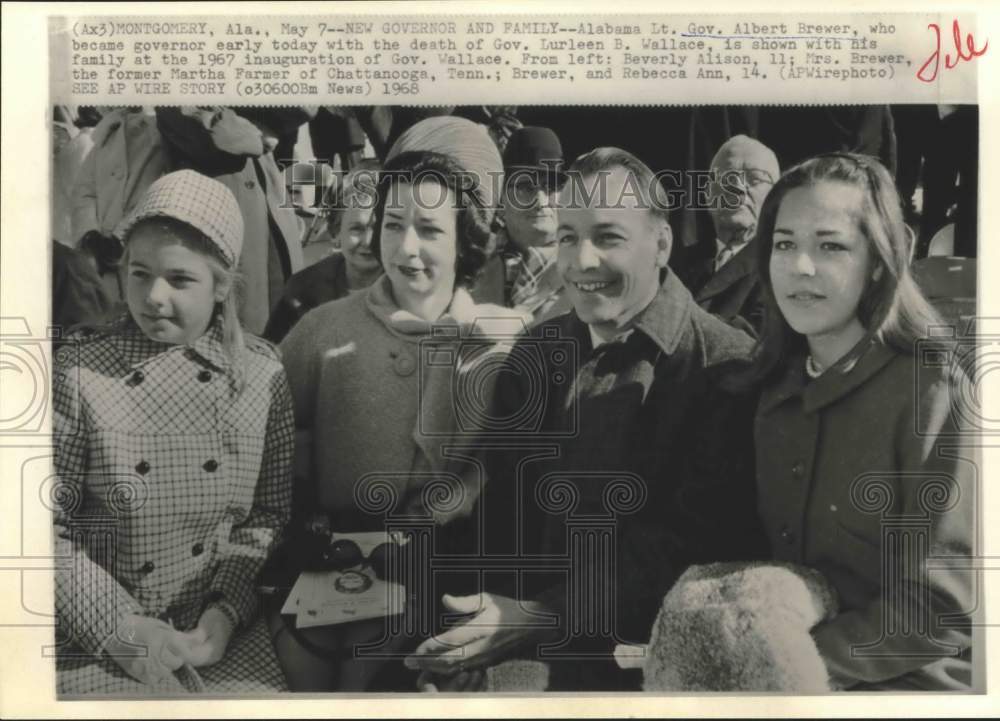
{"points": [[196, 241], [892, 308]]}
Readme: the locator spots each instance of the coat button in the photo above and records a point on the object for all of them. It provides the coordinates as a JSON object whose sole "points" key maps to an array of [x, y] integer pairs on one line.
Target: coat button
{"points": [[197, 549], [204, 376], [137, 378], [250, 185], [142, 467], [786, 535], [148, 567], [403, 365], [210, 465], [797, 469]]}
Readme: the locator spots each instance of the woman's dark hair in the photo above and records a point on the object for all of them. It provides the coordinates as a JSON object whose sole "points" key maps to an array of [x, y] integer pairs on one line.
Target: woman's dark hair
{"points": [[892, 308], [473, 221]]}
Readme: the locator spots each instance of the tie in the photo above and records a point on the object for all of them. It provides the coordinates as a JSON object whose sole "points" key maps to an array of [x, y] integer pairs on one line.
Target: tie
{"points": [[724, 256]]}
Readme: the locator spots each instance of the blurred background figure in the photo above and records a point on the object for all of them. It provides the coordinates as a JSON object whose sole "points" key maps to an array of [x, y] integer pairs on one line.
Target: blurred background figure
{"points": [[796, 133], [126, 157], [220, 143], [528, 219], [337, 135], [950, 180], [351, 267], [78, 296], [722, 274], [384, 124], [71, 143]]}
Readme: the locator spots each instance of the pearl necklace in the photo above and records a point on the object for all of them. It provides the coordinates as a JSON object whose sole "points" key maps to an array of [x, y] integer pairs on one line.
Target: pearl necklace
{"points": [[812, 370]]}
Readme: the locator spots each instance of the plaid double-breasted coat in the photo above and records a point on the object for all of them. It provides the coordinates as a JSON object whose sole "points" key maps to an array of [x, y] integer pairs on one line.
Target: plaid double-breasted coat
{"points": [[173, 483]]}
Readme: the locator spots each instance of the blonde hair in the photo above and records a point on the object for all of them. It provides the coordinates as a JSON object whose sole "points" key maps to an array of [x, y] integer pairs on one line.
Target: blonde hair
{"points": [[222, 274]]}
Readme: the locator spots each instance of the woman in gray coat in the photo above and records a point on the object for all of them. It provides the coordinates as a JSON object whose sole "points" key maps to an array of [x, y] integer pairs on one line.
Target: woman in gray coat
{"points": [[376, 381], [865, 463]]}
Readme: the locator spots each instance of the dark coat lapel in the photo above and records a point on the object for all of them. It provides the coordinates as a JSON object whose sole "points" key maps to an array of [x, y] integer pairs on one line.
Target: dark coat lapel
{"points": [[742, 264]]}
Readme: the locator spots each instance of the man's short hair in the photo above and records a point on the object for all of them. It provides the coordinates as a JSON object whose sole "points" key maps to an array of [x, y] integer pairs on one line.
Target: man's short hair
{"points": [[651, 193]]}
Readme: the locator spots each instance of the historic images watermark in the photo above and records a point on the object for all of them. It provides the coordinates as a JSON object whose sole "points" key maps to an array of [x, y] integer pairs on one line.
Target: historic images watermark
{"points": [[668, 189]]}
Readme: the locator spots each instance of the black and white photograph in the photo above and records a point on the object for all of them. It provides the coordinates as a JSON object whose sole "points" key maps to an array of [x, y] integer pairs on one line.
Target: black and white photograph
{"points": [[551, 404]]}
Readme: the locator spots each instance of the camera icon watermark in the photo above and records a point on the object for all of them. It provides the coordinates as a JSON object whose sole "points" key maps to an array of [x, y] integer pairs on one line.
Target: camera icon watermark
{"points": [[965, 354], [27, 374], [463, 391]]}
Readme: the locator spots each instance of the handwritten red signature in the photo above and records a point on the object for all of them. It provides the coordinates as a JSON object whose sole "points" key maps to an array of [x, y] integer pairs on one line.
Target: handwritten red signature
{"points": [[929, 70]]}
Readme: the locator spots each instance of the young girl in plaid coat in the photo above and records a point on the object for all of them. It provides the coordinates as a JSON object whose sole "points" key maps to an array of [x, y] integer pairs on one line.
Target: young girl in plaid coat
{"points": [[173, 452]]}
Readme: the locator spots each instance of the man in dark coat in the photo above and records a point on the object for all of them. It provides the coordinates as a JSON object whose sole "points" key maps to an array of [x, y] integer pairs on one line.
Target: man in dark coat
{"points": [[618, 459], [722, 273]]}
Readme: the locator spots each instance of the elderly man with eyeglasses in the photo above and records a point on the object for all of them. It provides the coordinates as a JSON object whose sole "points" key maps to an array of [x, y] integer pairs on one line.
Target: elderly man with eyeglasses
{"points": [[744, 171]]}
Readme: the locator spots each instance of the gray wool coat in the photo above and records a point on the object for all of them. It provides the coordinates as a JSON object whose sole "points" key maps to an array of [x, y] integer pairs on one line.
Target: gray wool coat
{"points": [[849, 467]]}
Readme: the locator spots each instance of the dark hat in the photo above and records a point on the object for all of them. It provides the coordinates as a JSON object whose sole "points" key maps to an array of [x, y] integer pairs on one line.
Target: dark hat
{"points": [[534, 150]]}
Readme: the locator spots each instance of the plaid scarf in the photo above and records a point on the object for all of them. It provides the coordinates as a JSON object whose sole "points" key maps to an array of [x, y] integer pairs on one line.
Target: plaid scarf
{"points": [[531, 277]]}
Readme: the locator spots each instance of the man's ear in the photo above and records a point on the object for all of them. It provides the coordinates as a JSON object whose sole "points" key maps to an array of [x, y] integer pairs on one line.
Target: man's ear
{"points": [[877, 273], [664, 242]]}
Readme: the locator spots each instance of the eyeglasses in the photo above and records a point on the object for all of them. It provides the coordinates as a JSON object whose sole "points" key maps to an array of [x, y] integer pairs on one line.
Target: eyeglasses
{"points": [[523, 192], [738, 179]]}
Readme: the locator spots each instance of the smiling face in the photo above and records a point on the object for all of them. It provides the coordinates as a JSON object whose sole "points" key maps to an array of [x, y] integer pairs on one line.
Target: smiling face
{"points": [[821, 262], [611, 249], [530, 213], [170, 289], [419, 242]]}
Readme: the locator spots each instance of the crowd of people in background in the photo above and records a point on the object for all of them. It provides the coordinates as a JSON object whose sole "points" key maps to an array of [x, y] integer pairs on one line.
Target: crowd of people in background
{"points": [[247, 349], [105, 158]]}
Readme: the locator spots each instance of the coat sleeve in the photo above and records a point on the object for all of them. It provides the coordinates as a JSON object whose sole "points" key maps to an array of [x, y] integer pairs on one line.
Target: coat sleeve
{"points": [[89, 601], [212, 140], [937, 482], [298, 353], [251, 541], [284, 315], [84, 198], [77, 294]]}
